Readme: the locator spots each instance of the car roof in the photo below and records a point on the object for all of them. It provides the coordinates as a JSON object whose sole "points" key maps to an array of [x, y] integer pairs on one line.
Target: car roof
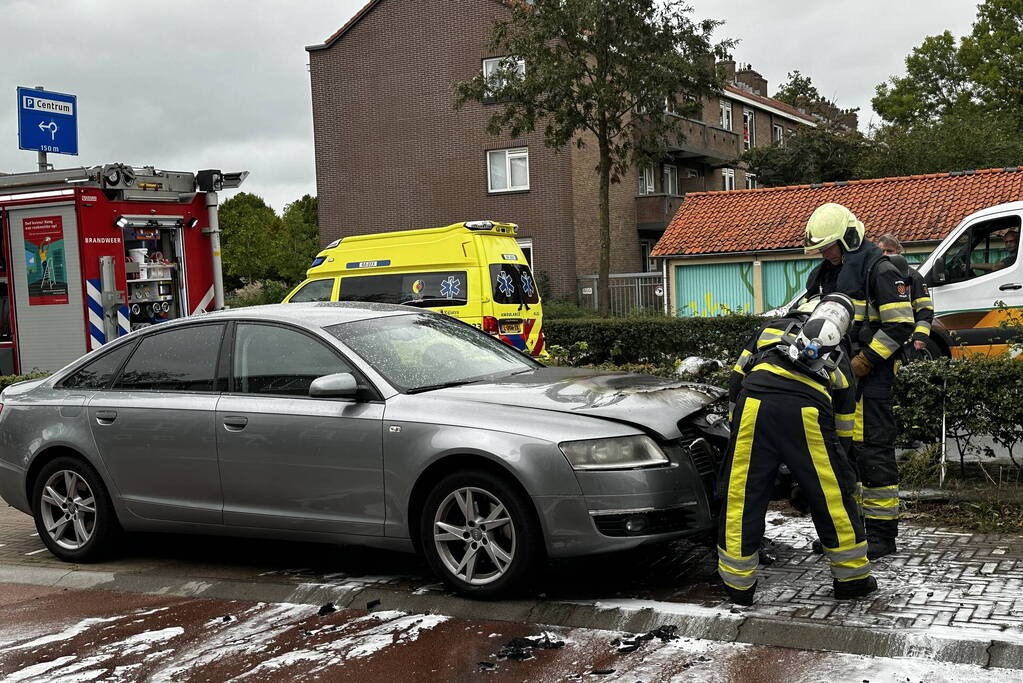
{"points": [[314, 314]]}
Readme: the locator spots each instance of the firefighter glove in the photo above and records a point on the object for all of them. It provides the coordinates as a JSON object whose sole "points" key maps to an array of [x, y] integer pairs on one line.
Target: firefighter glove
{"points": [[861, 367]]}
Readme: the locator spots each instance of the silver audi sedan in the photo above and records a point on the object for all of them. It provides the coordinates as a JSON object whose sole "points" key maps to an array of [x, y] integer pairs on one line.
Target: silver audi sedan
{"points": [[362, 424]]}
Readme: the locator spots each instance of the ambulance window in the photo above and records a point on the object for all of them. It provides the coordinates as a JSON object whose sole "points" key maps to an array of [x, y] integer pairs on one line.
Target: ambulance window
{"points": [[279, 361], [317, 290], [184, 359], [98, 373], [513, 284], [444, 288]]}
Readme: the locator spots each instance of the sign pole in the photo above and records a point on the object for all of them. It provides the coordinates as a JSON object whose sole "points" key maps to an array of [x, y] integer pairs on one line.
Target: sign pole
{"points": [[41, 156]]}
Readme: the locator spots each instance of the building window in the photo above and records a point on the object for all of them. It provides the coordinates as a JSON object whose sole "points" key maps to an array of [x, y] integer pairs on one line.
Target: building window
{"points": [[778, 135], [646, 262], [751, 181], [726, 114], [492, 66], [508, 170], [646, 180], [728, 178], [749, 129], [690, 173], [526, 245], [670, 180]]}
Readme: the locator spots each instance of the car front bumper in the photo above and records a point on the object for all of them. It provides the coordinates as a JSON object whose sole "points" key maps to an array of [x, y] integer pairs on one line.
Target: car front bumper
{"points": [[623, 509]]}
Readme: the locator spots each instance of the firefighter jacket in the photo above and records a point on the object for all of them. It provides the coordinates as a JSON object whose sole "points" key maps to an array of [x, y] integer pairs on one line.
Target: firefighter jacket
{"points": [[764, 367], [923, 307], [884, 317]]}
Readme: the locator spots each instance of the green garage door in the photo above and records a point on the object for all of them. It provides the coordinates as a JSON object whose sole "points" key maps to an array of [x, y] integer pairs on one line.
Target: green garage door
{"points": [[714, 289], [783, 280]]}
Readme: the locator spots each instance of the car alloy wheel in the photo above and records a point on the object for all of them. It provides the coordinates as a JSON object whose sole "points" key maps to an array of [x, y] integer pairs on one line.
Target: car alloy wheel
{"points": [[68, 509], [474, 535]]}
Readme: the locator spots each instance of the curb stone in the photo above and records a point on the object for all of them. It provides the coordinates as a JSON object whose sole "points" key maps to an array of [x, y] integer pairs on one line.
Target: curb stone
{"points": [[632, 616]]}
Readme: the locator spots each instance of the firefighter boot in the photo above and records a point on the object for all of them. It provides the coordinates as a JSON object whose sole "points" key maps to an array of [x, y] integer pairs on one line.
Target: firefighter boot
{"points": [[857, 588], [743, 598], [879, 546]]}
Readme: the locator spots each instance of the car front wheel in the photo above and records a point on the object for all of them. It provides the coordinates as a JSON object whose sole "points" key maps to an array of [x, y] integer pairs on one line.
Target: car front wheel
{"points": [[73, 513], [480, 535]]}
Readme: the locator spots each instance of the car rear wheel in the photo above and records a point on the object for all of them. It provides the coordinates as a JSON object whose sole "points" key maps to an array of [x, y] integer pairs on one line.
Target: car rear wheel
{"points": [[480, 535], [73, 513]]}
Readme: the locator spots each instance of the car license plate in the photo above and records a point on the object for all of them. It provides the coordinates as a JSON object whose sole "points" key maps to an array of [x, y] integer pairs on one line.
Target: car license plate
{"points": [[511, 328]]}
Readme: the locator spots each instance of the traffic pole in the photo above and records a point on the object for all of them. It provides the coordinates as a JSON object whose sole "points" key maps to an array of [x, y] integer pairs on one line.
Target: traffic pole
{"points": [[218, 265], [41, 156]]}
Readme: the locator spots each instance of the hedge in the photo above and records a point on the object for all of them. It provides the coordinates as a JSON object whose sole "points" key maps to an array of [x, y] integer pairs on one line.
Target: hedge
{"points": [[8, 380], [654, 339]]}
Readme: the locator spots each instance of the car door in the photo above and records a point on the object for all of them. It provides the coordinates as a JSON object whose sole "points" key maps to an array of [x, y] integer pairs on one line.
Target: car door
{"points": [[154, 426], [288, 461]]}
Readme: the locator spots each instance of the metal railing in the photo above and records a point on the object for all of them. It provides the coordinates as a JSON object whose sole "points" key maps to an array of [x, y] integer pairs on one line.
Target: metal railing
{"points": [[630, 292]]}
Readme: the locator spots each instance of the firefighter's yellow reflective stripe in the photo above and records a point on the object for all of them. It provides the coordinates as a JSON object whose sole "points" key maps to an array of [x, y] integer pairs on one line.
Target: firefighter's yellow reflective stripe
{"points": [[897, 312], [883, 345], [872, 314], [845, 423], [858, 422], [859, 309], [880, 513], [881, 502], [740, 365], [882, 491], [851, 573], [922, 303], [826, 476], [843, 556], [737, 582], [922, 327], [736, 502], [782, 372], [769, 336], [738, 563], [838, 379]]}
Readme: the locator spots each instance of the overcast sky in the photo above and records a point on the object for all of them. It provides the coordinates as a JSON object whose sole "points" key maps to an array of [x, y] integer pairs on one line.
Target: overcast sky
{"points": [[224, 84]]}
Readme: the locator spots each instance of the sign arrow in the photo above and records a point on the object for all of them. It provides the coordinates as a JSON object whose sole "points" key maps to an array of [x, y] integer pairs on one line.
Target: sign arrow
{"points": [[51, 126]]}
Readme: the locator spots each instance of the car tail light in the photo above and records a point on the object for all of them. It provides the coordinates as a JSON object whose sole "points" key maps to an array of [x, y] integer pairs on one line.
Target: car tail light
{"points": [[489, 324]]}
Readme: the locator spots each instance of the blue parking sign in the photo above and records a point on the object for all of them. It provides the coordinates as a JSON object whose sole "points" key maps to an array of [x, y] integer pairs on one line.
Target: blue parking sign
{"points": [[47, 121]]}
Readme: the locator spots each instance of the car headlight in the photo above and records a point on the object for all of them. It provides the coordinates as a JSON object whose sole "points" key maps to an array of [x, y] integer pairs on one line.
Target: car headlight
{"points": [[612, 454]]}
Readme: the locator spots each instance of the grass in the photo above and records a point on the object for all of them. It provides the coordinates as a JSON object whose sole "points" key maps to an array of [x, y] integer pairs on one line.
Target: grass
{"points": [[979, 516]]}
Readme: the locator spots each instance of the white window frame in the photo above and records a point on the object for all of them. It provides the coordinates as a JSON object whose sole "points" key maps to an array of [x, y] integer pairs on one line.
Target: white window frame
{"points": [[646, 180], [725, 119], [778, 135], [494, 63], [749, 128], [728, 179], [669, 179], [524, 244], [508, 155], [751, 181]]}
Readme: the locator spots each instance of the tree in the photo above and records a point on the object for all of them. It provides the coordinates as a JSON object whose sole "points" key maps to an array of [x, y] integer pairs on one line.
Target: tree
{"points": [[299, 240], [250, 232], [800, 92], [810, 155], [599, 73], [993, 53]]}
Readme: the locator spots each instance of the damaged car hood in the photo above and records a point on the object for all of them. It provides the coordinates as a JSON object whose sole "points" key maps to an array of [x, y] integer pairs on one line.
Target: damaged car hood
{"points": [[645, 401]]}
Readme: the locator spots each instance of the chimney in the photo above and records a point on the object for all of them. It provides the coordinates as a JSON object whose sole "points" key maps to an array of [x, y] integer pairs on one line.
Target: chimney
{"points": [[726, 67], [747, 76]]}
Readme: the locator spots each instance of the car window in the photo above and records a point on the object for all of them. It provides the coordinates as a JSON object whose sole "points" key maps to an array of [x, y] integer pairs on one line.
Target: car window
{"points": [[424, 350], [98, 373], [276, 360], [182, 359], [444, 288], [317, 290], [513, 284], [984, 248]]}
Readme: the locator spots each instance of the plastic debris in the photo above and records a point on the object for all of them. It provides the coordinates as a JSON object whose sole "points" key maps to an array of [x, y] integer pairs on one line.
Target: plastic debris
{"points": [[521, 649], [629, 644], [327, 609]]}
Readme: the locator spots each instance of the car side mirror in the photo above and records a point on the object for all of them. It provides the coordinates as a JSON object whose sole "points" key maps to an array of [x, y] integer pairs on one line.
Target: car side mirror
{"points": [[338, 385], [937, 276]]}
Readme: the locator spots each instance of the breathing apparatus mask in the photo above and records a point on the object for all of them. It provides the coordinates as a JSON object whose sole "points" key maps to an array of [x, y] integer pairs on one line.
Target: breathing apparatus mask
{"points": [[817, 345]]}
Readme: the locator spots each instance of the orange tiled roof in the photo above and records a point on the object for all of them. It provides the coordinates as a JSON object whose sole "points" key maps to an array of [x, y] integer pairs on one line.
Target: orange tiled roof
{"points": [[913, 208], [771, 102]]}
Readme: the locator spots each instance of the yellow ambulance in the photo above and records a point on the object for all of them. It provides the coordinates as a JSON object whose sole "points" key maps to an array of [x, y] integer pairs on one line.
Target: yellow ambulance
{"points": [[473, 271]]}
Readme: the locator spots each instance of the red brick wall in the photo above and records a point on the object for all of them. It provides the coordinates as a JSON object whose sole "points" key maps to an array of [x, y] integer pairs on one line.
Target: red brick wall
{"points": [[393, 154]]}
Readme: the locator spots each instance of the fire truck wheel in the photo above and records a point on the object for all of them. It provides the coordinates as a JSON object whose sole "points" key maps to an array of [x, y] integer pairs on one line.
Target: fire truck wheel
{"points": [[73, 513]]}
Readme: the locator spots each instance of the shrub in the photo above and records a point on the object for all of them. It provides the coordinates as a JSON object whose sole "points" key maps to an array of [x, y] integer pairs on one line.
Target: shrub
{"points": [[563, 309], [258, 293], [8, 380]]}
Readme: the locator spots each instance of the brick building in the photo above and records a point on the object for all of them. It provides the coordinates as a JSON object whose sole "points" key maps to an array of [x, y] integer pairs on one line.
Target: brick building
{"points": [[392, 153]]}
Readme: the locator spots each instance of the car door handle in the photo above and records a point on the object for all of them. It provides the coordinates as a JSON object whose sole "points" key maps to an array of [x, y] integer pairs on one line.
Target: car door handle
{"points": [[1010, 285], [235, 423], [105, 417]]}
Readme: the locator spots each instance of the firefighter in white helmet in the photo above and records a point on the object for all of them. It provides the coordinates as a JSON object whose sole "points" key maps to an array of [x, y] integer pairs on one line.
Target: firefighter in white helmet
{"points": [[883, 323], [793, 405]]}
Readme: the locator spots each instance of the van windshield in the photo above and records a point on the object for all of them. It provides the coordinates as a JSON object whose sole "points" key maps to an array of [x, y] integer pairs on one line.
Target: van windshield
{"points": [[513, 284], [443, 288]]}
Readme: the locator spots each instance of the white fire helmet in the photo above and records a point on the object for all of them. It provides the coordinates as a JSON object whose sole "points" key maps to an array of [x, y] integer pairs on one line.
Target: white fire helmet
{"points": [[823, 331]]}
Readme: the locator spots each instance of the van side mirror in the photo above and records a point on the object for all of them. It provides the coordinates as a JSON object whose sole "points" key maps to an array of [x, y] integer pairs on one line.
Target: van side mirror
{"points": [[338, 385], [937, 276]]}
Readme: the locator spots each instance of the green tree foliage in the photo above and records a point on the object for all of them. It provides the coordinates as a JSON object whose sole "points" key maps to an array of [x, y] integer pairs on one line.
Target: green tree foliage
{"points": [[993, 53], [798, 90], [810, 155], [300, 239], [602, 71], [250, 229]]}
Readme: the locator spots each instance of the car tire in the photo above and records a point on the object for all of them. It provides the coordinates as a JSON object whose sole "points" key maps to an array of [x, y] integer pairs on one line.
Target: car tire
{"points": [[82, 526], [490, 559]]}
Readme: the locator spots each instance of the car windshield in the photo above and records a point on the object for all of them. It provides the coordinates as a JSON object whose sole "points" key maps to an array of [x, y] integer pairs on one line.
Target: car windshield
{"points": [[427, 351]]}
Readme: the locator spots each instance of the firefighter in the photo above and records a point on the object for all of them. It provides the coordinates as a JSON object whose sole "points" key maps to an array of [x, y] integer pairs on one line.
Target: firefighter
{"points": [[793, 403], [883, 322], [920, 297]]}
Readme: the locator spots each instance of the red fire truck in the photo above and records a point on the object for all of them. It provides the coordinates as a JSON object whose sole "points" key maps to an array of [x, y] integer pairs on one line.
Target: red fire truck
{"points": [[90, 254]]}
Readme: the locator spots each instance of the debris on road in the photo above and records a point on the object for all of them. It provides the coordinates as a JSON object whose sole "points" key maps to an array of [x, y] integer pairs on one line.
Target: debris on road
{"points": [[521, 649]]}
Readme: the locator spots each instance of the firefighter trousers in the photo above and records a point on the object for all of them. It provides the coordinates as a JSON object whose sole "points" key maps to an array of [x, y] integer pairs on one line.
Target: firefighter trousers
{"points": [[874, 452], [768, 430]]}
